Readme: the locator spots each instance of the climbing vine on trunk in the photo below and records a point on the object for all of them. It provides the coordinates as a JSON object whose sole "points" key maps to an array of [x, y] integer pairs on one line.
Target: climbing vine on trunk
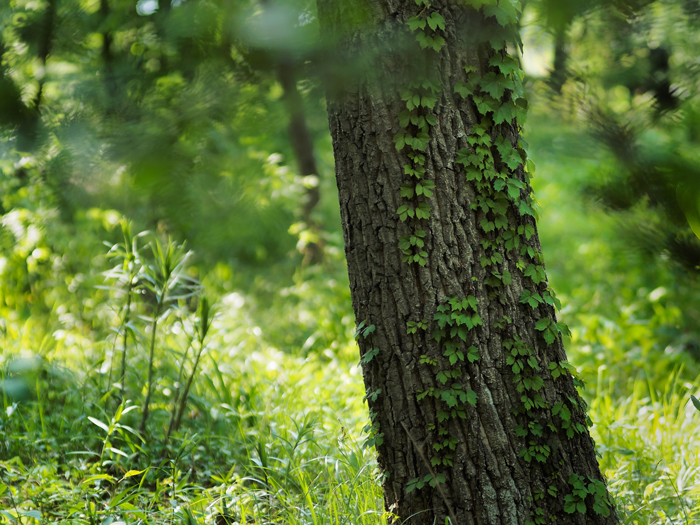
{"points": [[473, 406]]}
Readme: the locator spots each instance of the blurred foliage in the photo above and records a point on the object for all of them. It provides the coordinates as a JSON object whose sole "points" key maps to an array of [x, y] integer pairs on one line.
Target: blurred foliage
{"points": [[169, 115], [632, 73]]}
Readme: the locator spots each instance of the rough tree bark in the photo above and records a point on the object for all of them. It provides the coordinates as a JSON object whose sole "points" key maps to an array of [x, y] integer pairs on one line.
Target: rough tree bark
{"points": [[475, 415]]}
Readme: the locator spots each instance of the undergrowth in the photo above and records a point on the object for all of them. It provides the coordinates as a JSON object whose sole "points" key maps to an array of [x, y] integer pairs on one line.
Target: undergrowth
{"points": [[255, 404]]}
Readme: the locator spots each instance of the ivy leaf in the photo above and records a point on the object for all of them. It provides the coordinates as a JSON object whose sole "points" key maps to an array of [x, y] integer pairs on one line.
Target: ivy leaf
{"points": [[530, 167], [438, 43], [493, 84], [474, 174], [399, 140], [506, 12], [506, 112], [430, 119], [423, 210], [507, 278], [424, 40], [486, 104], [534, 272], [513, 159], [543, 324], [448, 397], [419, 120], [404, 118], [527, 229], [463, 157], [487, 225], [436, 21], [416, 22], [549, 336], [404, 212], [428, 100], [507, 65], [425, 188], [407, 191], [525, 209], [514, 192], [463, 89], [420, 142]]}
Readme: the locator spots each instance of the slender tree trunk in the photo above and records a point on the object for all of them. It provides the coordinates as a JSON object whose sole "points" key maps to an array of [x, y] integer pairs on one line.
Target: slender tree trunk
{"points": [[559, 73], [303, 146], [286, 69], [474, 412]]}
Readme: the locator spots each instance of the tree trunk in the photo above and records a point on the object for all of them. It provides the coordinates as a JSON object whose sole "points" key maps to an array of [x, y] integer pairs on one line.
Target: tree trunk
{"points": [[474, 412], [559, 73]]}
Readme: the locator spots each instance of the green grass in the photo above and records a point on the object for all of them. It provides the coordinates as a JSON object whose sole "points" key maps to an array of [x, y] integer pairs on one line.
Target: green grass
{"points": [[272, 433]]}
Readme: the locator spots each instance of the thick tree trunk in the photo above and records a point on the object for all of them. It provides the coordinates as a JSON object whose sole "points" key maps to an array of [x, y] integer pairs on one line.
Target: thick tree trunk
{"points": [[474, 419]]}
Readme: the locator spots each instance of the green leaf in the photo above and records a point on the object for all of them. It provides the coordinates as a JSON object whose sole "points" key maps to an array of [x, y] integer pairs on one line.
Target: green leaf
{"points": [[423, 210], [543, 324], [429, 100], [424, 40], [99, 424], [420, 142], [506, 12], [471, 397], [507, 64], [549, 337], [506, 112], [404, 118], [416, 22], [695, 401], [438, 43], [100, 477], [495, 85], [436, 21], [463, 157], [530, 167], [404, 212], [463, 89], [487, 225], [486, 104]]}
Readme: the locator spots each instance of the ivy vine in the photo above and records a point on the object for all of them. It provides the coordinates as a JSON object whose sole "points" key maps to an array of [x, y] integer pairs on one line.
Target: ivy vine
{"points": [[494, 165]]}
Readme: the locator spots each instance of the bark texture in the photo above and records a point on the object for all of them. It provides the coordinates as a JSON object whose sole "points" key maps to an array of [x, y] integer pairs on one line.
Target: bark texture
{"points": [[489, 482]]}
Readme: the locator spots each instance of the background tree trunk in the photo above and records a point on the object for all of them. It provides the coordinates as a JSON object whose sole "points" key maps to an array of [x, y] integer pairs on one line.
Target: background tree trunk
{"points": [[486, 449]]}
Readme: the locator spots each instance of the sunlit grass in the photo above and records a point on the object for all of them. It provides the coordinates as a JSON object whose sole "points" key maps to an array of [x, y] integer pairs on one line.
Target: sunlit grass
{"points": [[272, 431], [649, 446]]}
